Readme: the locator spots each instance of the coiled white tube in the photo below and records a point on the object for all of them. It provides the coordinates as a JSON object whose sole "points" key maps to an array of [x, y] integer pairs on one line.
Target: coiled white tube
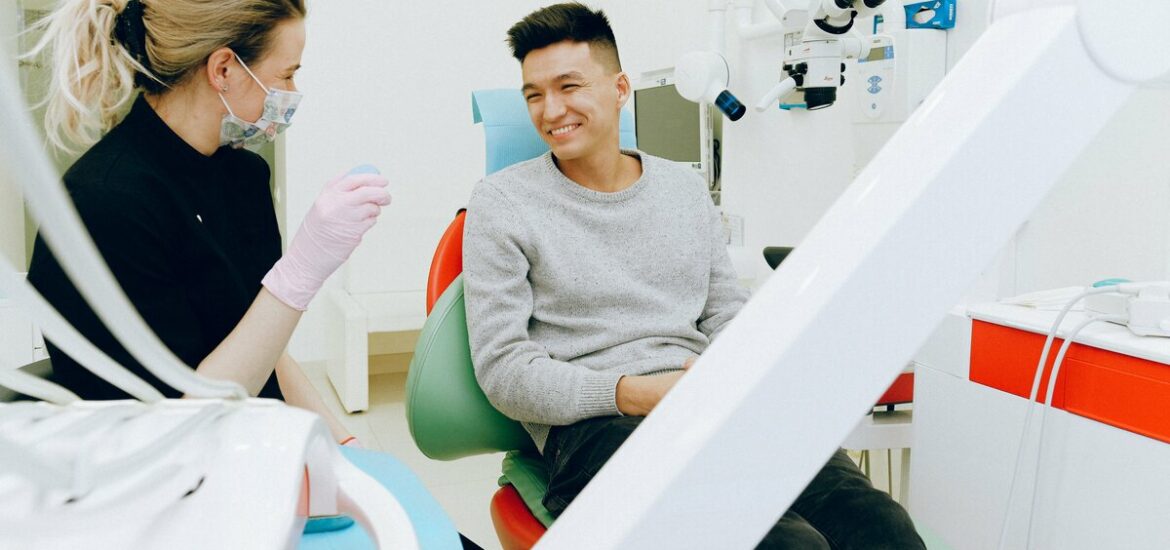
{"points": [[64, 336], [25, 163]]}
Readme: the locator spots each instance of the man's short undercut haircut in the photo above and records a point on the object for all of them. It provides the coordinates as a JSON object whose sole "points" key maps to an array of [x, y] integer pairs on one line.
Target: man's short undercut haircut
{"points": [[569, 21]]}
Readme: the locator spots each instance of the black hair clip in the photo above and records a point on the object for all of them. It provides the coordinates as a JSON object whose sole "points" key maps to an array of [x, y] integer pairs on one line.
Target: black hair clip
{"points": [[130, 30]]}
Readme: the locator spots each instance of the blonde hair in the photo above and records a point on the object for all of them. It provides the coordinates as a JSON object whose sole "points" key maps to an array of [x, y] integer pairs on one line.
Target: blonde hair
{"points": [[95, 72]]}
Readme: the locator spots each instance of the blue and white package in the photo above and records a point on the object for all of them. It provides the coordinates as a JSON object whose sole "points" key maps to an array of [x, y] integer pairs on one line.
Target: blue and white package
{"points": [[932, 14]]}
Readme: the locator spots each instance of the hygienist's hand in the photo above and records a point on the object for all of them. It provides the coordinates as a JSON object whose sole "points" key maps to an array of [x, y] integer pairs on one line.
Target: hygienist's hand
{"points": [[343, 212], [638, 395]]}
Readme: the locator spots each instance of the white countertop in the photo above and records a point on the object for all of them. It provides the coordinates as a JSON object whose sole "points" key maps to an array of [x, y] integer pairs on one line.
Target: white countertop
{"points": [[1103, 335]]}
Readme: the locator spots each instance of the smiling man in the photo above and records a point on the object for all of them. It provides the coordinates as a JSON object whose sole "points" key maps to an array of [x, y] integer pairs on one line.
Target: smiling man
{"points": [[595, 275]]}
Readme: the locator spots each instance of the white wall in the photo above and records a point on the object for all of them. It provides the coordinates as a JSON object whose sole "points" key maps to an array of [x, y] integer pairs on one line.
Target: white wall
{"points": [[781, 170], [17, 227], [1107, 217], [390, 84], [11, 199]]}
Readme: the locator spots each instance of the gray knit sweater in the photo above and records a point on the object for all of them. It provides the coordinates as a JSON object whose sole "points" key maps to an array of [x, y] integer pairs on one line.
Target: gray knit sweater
{"points": [[568, 289]]}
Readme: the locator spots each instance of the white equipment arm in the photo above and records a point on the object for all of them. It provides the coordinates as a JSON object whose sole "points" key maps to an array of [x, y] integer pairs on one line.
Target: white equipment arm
{"points": [[742, 434]]}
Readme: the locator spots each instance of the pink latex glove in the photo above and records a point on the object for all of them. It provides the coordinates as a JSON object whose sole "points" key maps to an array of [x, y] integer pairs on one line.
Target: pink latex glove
{"points": [[347, 207]]}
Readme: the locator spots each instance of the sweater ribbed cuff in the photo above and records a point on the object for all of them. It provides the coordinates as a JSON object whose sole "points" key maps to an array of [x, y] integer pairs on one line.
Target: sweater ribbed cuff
{"points": [[598, 395]]}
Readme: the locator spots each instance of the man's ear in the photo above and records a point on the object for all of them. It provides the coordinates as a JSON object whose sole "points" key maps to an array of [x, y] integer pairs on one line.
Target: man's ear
{"points": [[219, 68], [623, 88]]}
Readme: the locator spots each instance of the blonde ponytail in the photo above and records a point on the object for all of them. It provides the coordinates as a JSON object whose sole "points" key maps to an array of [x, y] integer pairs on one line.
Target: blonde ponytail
{"points": [[91, 75], [94, 68]]}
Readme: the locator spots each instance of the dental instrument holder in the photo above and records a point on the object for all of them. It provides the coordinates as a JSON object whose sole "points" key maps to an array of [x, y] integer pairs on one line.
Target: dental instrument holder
{"points": [[1149, 308], [1145, 306]]}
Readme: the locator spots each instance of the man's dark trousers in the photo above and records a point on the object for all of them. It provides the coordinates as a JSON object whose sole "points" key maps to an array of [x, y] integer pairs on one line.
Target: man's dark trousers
{"points": [[838, 510]]}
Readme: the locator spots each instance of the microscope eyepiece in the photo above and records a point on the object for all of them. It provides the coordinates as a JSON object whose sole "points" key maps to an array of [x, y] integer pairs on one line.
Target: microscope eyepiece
{"points": [[730, 106]]}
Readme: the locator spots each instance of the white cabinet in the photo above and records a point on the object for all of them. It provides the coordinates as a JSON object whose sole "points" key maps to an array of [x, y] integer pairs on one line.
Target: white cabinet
{"points": [[18, 339]]}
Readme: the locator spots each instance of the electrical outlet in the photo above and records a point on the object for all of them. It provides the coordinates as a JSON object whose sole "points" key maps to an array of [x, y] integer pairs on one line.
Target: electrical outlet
{"points": [[732, 229]]}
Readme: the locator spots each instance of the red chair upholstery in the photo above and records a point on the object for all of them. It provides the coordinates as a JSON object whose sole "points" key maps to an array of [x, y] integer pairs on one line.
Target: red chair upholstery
{"points": [[448, 260], [515, 525]]}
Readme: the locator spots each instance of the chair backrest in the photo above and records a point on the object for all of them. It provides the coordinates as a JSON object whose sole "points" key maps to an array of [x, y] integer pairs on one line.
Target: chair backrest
{"points": [[510, 137], [448, 414], [447, 263]]}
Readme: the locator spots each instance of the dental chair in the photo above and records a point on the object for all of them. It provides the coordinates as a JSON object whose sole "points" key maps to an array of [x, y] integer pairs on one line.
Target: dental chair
{"points": [[448, 414]]}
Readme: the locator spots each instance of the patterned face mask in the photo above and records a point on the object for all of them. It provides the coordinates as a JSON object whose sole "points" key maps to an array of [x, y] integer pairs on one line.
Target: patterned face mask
{"points": [[279, 106]]}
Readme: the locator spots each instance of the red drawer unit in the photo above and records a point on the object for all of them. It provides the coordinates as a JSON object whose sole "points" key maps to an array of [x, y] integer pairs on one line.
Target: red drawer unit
{"points": [[1116, 389]]}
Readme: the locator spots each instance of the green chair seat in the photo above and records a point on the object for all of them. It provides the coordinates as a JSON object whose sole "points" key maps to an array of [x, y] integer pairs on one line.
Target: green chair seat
{"points": [[448, 414], [529, 475]]}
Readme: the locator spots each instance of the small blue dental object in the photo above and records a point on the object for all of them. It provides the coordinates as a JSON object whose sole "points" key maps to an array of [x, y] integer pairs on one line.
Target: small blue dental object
{"points": [[327, 523], [364, 169]]}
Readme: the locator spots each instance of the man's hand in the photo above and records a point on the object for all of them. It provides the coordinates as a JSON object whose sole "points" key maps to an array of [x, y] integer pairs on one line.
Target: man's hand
{"points": [[638, 395]]}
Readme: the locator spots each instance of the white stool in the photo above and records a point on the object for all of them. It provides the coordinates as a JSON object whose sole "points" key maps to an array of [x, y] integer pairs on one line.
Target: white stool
{"points": [[889, 429], [885, 430]]}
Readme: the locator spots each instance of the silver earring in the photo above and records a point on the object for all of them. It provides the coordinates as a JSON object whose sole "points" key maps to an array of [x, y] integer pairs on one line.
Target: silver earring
{"points": [[223, 88]]}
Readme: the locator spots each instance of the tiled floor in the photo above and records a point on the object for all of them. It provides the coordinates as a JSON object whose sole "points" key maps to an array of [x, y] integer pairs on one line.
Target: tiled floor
{"points": [[462, 487]]}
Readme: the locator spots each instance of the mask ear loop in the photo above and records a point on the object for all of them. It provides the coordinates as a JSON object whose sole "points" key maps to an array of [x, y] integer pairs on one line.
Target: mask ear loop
{"points": [[266, 89], [245, 66], [228, 107]]}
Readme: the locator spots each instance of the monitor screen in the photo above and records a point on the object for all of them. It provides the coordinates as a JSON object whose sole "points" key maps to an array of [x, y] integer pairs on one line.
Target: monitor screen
{"points": [[666, 124]]}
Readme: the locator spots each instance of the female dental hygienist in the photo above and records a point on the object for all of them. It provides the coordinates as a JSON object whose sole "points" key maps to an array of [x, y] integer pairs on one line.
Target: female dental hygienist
{"points": [[180, 210]]}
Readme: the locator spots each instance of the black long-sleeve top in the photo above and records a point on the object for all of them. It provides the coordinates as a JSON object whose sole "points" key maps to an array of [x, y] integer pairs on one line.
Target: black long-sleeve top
{"points": [[188, 237]]}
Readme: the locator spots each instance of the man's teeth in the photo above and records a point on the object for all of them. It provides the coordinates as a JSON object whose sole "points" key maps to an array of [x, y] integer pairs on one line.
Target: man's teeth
{"points": [[564, 129]]}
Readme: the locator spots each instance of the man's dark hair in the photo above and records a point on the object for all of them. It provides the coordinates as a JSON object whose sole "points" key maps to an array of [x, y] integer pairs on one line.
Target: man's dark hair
{"points": [[569, 21]]}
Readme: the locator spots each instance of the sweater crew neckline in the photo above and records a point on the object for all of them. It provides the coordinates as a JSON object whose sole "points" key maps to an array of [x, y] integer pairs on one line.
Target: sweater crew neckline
{"points": [[599, 196]]}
